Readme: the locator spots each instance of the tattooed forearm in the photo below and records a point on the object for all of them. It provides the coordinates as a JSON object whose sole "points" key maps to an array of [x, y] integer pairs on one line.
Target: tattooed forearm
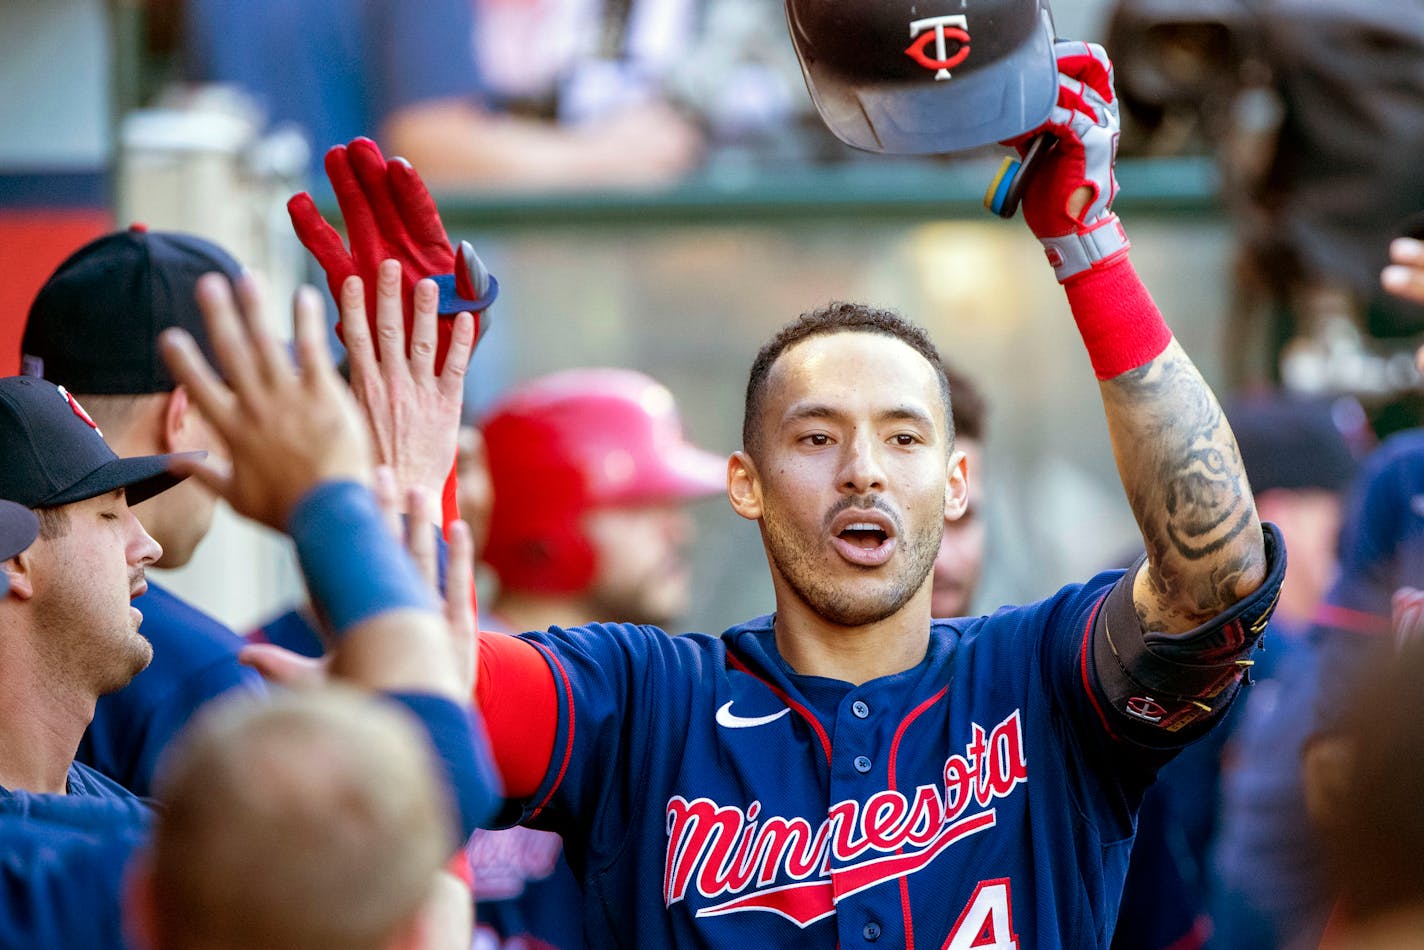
{"points": [[1187, 487]]}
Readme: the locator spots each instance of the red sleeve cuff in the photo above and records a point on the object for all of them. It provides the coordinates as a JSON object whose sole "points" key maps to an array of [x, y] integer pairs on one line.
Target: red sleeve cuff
{"points": [[516, 696]]}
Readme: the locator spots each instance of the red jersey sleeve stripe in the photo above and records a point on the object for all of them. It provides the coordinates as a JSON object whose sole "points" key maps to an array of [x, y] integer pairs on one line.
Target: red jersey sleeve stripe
{"points": [[568, 689], [1083, 666]]}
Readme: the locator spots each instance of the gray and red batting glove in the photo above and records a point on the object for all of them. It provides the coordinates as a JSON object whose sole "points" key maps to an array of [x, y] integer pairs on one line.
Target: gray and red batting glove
{"points": [[390, 215], [1085, 124]]}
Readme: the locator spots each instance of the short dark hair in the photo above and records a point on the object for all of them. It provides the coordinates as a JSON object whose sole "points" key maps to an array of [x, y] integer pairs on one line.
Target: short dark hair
{"points": [[836, 317], [971, 411]]}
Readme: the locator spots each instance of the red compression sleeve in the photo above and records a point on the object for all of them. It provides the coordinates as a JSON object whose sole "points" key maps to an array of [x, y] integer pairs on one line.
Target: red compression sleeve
{"points": [[1121, 326], [516, 696]]}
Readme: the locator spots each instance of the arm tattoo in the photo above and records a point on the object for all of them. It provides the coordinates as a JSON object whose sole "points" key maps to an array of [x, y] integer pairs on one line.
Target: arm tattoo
{"points": [[1187, 488]]}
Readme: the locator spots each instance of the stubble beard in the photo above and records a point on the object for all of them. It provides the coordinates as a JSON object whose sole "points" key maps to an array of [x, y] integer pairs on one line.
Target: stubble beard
{"points": [[796, 558]]}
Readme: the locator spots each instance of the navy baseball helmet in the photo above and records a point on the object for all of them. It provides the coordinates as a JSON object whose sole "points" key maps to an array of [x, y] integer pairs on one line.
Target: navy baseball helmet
{"points": [[911, 77]]}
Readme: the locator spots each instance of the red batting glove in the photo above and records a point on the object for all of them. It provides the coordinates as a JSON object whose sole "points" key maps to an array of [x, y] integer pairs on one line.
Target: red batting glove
{"points": [[390, 215], [1085, 124]]}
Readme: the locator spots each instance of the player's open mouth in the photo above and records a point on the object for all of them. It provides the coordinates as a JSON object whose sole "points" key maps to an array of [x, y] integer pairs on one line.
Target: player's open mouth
{"points": [[865, 538]]}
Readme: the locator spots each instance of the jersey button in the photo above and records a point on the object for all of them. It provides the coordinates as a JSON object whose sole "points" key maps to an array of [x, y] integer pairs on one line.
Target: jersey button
{"points": [[871, 931], [860, 710], [862, 764]]}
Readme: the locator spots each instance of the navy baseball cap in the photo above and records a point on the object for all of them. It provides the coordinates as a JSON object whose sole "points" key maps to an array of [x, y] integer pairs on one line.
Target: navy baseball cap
{"points": [[1292, 443], [55, 455], [93, 328]]}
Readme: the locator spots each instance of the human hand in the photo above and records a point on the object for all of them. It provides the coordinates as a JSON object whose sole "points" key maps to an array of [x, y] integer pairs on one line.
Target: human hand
{"points": [[414, 413], [1404, 277], [287, 429], [1407, 615], [284, 667], [459, 587], [389, 215], [1068, 201]]}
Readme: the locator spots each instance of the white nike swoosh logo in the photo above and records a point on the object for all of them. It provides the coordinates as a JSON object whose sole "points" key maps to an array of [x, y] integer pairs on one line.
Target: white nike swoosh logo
{"points": [[725, 717]]}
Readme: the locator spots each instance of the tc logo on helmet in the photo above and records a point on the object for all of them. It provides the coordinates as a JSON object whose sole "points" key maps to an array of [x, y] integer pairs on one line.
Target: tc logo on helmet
{"points": [[942, 30]]}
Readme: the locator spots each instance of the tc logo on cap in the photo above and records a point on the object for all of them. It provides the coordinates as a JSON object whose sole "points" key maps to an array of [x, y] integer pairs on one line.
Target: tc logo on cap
{"points": [[78, 409], [942, 30]]}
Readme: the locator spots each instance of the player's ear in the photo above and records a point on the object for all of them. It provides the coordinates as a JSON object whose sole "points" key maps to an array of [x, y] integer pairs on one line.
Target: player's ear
{"points": [[743, 486], [956, 490], [20, 572], [176, 420]]}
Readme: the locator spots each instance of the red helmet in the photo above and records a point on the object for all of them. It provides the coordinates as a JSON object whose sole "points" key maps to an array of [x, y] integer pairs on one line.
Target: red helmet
{"points": [[571, 442], [915, 77]]}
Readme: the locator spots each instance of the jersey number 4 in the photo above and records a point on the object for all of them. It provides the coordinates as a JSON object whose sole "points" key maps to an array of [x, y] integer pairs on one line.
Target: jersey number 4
{"points": [[987, 921]]}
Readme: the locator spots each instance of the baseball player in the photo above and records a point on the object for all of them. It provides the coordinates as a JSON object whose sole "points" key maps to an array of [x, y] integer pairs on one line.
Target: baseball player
{"points": [[300, 459], [93, 329], [848, 771], [70, 632], [589, 474]]}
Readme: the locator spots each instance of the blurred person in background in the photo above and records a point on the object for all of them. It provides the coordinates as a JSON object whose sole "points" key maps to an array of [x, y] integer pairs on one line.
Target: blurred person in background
{"points": [[1277, 893], [255, 847], [408, 73], [1364, 781], [960, 561], [1315, 114], [590, 476], [93, 329]]}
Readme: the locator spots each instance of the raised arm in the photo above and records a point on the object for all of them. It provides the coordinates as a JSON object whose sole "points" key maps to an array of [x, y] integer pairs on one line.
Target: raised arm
{"points": [[1184, 478], [1175, 453], [301, 463]]}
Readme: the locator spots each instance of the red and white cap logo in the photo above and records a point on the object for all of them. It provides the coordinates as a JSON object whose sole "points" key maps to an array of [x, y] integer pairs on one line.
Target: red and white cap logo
{"points": [[78, 409], [943, 33]]}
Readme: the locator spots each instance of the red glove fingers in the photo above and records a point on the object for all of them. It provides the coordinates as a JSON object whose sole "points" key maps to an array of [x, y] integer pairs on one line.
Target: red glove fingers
{"points": [[322, 240]]}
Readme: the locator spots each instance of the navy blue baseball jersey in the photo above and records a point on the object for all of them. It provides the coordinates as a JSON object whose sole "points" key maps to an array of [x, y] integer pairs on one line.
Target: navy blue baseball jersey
{"points": [[194, 660], [708, 795], [1381, 538], [84, 782], [63, 860], [60, 882]]}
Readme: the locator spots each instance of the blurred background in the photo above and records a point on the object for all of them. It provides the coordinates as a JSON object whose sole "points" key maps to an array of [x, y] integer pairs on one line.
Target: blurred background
{"points": [[652, 188]]}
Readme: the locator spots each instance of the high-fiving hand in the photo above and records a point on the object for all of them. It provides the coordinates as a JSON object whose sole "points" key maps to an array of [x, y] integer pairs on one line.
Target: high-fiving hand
{"points": [[287, 428]]}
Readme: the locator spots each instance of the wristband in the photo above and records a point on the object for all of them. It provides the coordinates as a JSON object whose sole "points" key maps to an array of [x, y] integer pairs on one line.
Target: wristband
{"points": [[1120, 325], [1099, 245], [353, 567]]}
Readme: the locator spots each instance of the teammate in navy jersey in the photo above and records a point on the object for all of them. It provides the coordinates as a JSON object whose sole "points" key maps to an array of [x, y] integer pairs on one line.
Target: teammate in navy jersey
{"points": [[848, 771], [301, 461], [70, 632], [93, 328]]}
